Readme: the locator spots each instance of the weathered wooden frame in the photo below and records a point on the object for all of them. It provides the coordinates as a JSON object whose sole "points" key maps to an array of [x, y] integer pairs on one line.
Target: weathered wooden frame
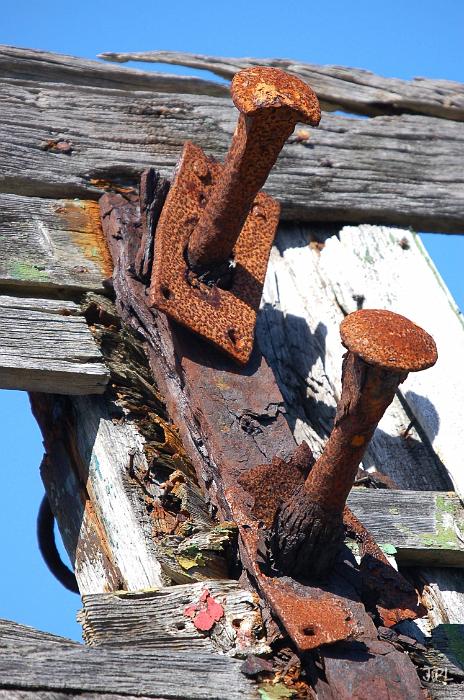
{"points": [[54, 253]]}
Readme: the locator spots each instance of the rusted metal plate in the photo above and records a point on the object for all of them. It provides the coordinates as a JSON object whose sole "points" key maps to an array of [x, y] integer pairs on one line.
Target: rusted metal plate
{"points": [[387, 674], [231, 421], [224, 317]]}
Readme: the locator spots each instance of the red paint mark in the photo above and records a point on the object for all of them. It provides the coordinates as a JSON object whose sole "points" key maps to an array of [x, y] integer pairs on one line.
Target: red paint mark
{"points": [[205, 613], [190, 610], [214, 610]]}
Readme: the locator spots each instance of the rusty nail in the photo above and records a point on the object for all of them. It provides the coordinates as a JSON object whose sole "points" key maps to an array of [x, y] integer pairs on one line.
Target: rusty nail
{"points": [[271, 103], [382, 348]]}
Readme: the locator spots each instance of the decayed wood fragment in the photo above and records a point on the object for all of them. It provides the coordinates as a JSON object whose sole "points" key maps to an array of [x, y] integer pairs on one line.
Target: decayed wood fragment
{"points": [[45, 345], [346, 170], [338, 87], [119, 481], [158, 620], [26, 65]]}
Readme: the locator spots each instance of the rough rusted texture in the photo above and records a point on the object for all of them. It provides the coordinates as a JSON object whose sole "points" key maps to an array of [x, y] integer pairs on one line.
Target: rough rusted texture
{"points": [[230, 420], [385, 589], [225, 317], [308, 529], [387, 674], [385, 339], [82, 219], [271, 103]]}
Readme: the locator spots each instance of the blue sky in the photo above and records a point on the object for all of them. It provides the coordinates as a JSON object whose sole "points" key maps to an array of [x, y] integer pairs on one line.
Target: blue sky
{"points": [[398, 39]]}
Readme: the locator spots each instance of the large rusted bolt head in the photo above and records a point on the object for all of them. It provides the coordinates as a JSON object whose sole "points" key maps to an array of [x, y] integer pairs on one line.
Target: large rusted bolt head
{"points": [[382, 348], [388, 341], [271, 103], [259, 88]]}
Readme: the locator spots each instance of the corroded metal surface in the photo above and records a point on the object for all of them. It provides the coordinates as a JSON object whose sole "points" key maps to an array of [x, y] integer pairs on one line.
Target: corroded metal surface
{"points": [[271, 102], [309, 525], [394, 598], [385, 339], [216, 229], [231, 421], [225, 317]]}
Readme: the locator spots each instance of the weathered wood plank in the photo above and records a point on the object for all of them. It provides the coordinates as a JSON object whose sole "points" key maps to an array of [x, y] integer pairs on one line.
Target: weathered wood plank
{"points": [[32, 64], [425, 527], [156, 620], [348, 170], [338, 87], [45, 345], [13, 633], [455, 691], [391, 269], [15, 694], [197, 674], [49, 244]]}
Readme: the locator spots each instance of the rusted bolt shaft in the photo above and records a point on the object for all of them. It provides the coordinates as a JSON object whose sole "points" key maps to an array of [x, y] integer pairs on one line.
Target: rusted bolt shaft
{"points": [[271, 103], [383, 348]]}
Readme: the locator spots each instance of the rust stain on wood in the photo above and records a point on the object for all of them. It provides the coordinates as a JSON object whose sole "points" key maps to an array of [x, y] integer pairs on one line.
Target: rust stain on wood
{"points": [[82, 221]]}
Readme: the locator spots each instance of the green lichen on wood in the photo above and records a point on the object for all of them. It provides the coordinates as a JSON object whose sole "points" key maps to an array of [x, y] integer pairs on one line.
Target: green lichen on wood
{"points": [[29, 272], [448, 520]]}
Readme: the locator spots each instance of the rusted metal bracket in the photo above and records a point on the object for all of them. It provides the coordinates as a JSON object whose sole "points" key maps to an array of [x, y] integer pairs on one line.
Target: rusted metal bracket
{"points": [[216, 229], [225, 317], [231, 421]]}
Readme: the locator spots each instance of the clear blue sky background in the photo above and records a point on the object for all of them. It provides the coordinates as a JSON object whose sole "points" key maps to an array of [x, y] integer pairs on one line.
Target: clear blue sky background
{"points": [[397, 38]]}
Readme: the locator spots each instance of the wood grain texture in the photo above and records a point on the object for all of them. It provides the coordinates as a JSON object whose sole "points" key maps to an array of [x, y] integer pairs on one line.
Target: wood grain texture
{"points": [[25, 64], [45, 345], [156, 620], [51, 245], [31, 664], [425, 527], [338, 87], [13, 633], [15, 694], [348, 170], [107, 460]]}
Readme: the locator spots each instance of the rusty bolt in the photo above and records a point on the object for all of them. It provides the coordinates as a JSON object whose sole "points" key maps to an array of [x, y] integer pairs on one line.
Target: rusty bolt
{"points": [[271, 103], [382, 347]]}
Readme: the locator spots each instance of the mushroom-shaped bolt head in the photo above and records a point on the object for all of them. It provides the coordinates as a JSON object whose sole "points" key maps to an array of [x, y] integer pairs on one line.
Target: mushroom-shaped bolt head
{"points": [[387, 340], [258, 88], [382, 348], [270, 103]]}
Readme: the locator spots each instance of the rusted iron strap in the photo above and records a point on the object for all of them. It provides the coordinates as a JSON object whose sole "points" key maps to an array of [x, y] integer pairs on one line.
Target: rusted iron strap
{"points": [[230, 420]]}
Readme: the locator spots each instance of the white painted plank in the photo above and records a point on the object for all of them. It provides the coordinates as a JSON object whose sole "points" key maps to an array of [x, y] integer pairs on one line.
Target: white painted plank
{"points": [[390, 269]]}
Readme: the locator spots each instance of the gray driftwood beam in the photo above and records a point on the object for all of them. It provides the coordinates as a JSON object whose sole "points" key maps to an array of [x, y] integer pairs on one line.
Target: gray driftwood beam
{"points": [[338, 87], [349, 170]]}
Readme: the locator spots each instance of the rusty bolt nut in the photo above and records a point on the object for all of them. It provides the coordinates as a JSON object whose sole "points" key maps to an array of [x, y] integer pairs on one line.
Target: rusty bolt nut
{"points": [[271, 103], [382, 347]]}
